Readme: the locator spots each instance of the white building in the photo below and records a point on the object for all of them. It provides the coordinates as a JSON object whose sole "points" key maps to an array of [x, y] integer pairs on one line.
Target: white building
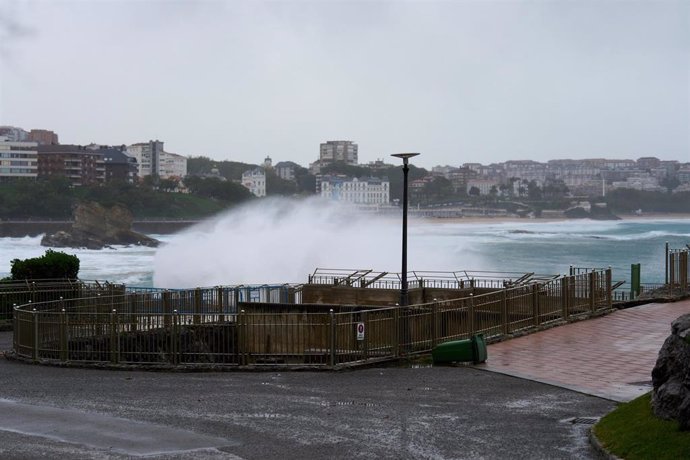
{"points": [[255, 181], [153, 159], [18, 159], [484, 185], [172, 165], [370, 191]]}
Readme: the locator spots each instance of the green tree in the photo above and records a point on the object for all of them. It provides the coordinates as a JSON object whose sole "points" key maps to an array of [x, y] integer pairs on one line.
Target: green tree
{"points": [[276, 185], [51, 265]]}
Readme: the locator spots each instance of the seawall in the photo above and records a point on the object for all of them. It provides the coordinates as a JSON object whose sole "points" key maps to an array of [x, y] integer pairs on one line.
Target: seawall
{"points": [[19, 229]]}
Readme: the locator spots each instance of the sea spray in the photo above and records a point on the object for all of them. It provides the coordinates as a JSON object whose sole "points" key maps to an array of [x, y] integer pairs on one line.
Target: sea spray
{"points": [[284, 240]]}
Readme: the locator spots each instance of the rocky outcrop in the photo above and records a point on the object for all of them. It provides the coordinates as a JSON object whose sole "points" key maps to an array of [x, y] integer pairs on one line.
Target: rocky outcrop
{"points": [[671, 375], [96, 227]]}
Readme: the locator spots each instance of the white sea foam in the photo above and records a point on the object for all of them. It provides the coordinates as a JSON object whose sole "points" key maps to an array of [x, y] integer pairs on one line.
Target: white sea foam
{"points": [[120, 264], [281, 240]]}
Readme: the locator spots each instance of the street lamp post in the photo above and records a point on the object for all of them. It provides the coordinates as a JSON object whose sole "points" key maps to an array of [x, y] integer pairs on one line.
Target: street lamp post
{"points": [[403, 285]]}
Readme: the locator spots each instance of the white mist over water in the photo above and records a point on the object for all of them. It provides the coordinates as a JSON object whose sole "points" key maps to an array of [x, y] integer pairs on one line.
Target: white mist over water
{"points": [[282, 241]]}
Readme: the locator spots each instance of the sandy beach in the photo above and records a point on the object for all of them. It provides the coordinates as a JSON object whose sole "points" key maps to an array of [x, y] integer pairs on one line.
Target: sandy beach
{"points": [[515, 219]]}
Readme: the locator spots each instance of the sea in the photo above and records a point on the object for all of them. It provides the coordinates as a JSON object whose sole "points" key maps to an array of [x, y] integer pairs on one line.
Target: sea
{"points": [[267, 244]]}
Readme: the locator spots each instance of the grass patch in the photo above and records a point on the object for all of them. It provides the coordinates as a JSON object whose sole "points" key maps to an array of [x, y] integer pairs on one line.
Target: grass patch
{"points": [[633, 432]]}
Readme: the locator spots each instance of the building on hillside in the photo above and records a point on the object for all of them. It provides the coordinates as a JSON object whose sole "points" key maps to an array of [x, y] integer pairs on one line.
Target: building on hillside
{"points": [[172, 166], [255, 181], [43, 136], [119, 166], [154, 160], [646, 183], [80, 165], [378, 165], [483, 185], [18, 159], [648, 163], [14, 134], [683, 175], [370, 191], [333, 152], [286, 170], [147, 155]]}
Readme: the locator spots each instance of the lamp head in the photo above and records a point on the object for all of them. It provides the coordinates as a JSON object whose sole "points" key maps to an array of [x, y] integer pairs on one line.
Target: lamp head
{"points": [[404, 156]]}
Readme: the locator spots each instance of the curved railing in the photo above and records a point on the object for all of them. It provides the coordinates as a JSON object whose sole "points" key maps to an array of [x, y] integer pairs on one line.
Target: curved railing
{"points": [[268, 325]]}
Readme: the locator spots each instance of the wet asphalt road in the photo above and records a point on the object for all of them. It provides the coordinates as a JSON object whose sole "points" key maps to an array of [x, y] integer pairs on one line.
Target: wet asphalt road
{"points": [[443, 413]]}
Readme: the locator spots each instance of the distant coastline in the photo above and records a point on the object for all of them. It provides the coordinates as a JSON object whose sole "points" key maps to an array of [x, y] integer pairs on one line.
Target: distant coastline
{"points": [[20, 228]]}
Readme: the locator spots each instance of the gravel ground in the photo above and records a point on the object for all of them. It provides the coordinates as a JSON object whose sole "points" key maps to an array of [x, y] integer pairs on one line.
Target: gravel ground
{"points": [[401, 413]]}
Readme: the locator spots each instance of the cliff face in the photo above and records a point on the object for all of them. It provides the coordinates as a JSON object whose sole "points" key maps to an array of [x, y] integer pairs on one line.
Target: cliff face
{"points": [[96, 227]]}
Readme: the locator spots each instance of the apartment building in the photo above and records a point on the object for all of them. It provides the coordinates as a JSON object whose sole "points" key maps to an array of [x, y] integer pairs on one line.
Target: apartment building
{"points": [[152, 159], [80, 165], [43, 136], [18, 159], [335, 151]]}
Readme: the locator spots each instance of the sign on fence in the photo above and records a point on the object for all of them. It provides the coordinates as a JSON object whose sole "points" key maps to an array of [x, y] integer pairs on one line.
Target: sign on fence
{"points": [[360, 331]]}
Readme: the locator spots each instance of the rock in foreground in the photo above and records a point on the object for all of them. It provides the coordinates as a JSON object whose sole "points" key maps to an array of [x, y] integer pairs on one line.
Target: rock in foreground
{"points": [[96, 227], [671, 375]]}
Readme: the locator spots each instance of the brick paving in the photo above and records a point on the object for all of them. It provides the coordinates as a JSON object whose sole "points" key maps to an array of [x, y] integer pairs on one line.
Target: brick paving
{"points": [[611, 356]]}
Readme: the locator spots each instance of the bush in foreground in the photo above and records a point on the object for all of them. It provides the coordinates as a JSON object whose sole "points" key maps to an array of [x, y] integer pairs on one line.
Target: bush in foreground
{"points": [[51, 265]]}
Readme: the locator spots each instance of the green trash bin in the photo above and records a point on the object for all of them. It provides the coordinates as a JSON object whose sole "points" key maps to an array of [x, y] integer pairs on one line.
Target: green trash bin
{"points": [[479, 348], [473, 350]]}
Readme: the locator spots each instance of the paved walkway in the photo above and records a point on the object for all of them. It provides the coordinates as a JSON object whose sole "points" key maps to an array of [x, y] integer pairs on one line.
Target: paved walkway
{"points": [[610, 356]]}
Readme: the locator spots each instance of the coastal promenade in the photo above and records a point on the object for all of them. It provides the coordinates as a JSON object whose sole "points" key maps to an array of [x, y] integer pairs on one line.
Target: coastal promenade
{"points": [[611, 356], [390, 412]]}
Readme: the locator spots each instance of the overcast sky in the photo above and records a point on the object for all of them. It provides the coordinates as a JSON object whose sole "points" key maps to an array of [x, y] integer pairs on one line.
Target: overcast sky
{"points": [[458, 81]]}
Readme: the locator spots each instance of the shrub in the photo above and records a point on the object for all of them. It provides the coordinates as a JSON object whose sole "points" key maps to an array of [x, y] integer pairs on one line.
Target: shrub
{"points": [[51, 265]]}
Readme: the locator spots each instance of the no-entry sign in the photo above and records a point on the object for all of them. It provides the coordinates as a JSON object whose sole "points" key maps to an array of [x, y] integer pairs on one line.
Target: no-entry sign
{"points": [[360, 331]]}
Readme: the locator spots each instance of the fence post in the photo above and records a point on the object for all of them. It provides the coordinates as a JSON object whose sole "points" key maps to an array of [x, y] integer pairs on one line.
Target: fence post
{"points": [[434, 323], [683, 269], [63, 336], [565, 313], [470, 314], [535, 305], [197, 306], [132, 311], [666, 265], [221, 307], [175, 338], [396, 331], [365, 342], [241, 338], [114, 342], [332, 337], [16, 328], [504, 312], [609, 294], [592, 291], [34, 353], [167, 309]]}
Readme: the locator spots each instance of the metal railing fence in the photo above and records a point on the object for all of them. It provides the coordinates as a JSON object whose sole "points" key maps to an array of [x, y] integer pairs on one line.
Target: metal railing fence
{"points": [[424, 279], [13, 293], [211, 326], [678, 267]]}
